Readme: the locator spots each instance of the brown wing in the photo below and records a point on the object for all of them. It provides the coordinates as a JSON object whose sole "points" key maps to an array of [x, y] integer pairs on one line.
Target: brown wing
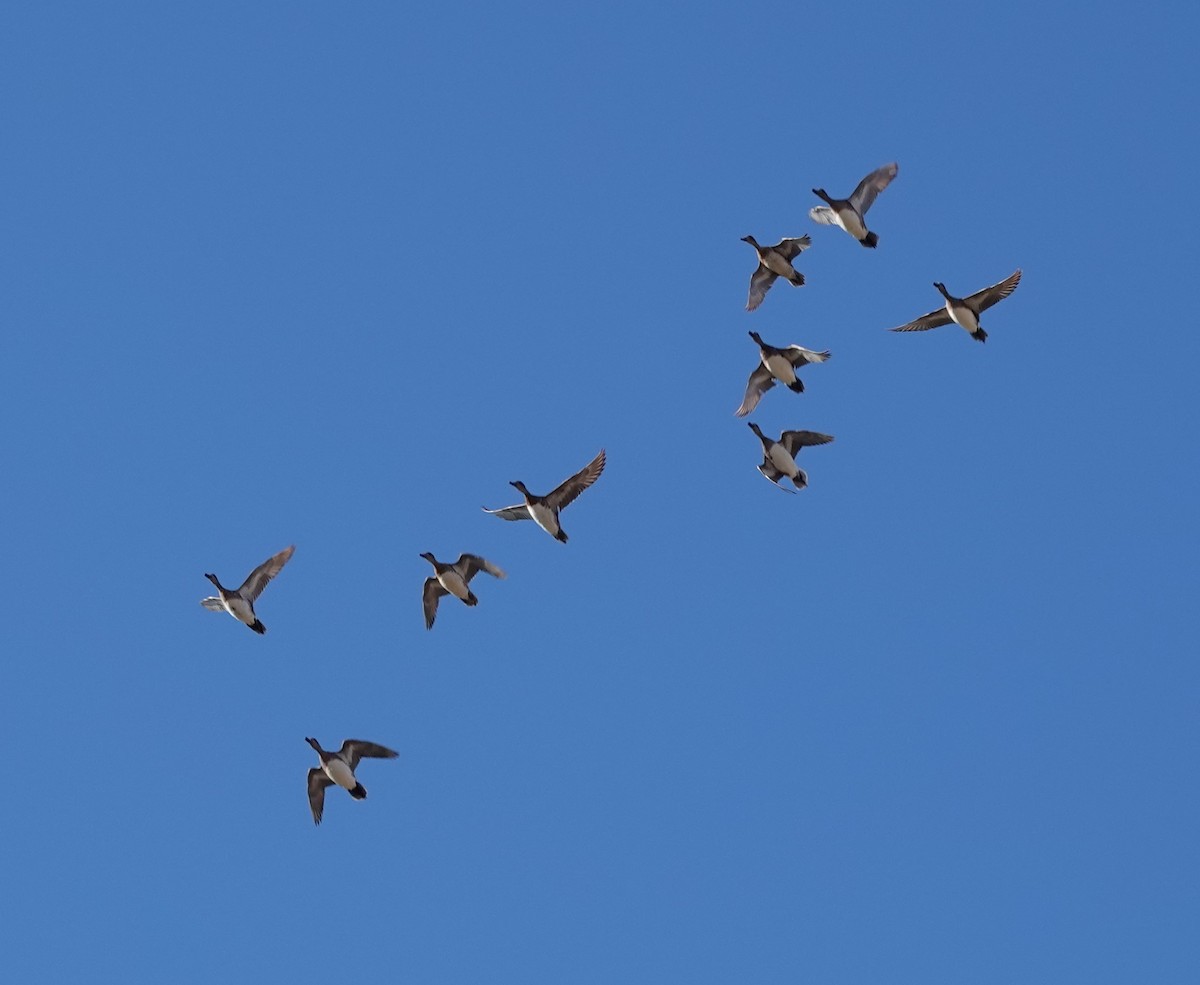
{"points": [[760, 282], [800, 356], [982, 300], [760, 382], [468, 565], [355, 749], [568, 492], [935, 319], [429, 600], [774, 475], [789, 249], [864, 195], [317, 782], [793, 441], [252, 587]]}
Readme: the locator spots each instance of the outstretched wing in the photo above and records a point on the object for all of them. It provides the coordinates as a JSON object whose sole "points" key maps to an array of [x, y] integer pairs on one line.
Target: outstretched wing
{"points": [[518, 512], [468, 565], [252, 587], [429, 600], [789, 249], [355, 749], [564, 495], [760, 282], [935, 319], [864, 195], [800, 356], [793, 441], [760, 382], [213, 604], [823, 214], [317, 782], [982, 300]]}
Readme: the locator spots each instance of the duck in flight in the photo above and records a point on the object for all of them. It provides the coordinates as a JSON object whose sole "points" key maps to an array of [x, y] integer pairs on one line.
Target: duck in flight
{"points": [[773, 262], [338, 767], [453, 579], [544, 510], [239, 602], [850, 213], [964, 311], [779, 457], [776, 364]]}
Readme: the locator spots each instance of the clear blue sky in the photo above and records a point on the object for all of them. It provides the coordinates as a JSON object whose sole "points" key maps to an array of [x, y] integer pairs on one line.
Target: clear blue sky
{"points": [[333, 274]]}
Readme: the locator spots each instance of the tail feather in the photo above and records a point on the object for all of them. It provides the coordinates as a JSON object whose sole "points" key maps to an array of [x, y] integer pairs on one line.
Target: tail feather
{"points": [[870, 240], [471, 599], [798, 280], [796, 387], [561, 536], [359, 792], [979, 335], [258, 627]]}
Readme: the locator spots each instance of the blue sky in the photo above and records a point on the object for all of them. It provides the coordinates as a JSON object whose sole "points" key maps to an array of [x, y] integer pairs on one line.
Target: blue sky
{"points": [[334, 274]]}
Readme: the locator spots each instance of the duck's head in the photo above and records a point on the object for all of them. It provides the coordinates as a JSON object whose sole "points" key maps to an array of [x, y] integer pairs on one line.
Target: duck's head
{"points": [[520, 487], [428, 556], [820, 193], [213, 579], [750, 239], [754, 427], [757, 338], [941, 287], [313, 742]]}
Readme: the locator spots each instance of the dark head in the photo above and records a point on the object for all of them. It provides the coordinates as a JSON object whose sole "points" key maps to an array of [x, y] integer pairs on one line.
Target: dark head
{"points": [[520, 487], [428, 556], [213, 579], [751, 240], [315, 744], [820, 193], [757, 338], [754, 427], [941, 287]]}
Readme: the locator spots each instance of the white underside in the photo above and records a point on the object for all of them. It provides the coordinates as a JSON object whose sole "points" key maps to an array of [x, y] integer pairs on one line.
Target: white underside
{"points": [[544, 517], [340, 774], [241, 611], [963, 316], [782, 460], [781, 369], [849, 220], [452, 582], [778, 265]]}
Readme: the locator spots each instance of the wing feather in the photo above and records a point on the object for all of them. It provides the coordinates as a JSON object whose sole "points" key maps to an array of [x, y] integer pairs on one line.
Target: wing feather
{"points": [[317, 782], [982, 300], [823, 214], [789, 249], [568, 492], [355, 749], [935, 319], [760, 382], [864, 195], [760, 282], [793, 441], [430, 595], [518, 512], [468, 565], [252, 587]]}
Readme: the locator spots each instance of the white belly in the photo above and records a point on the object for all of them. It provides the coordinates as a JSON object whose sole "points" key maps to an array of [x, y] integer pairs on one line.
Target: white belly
{"points": [[241, 611], [340, 774], [852, 222], [453, 582], [964, 316], [544, 517], [780, 368], [782, 460]]}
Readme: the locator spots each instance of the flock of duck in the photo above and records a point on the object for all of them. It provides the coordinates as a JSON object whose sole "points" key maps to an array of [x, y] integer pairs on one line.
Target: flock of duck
{"points": [[776, 365]]}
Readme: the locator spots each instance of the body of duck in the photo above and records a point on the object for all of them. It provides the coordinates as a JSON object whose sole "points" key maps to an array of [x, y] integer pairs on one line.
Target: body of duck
{"points": [[776, 364], [453, 579], [544, 510], [774, 262], [779, 457], [239, 602], [850, 213], [338, 767], [964, 312]]}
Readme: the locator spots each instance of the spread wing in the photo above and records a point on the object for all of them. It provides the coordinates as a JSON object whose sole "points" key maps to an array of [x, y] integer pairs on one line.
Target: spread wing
{"points": [[823, 214], [564, 495], [429, 600], [518, 512], [864, 195], [317, 782], [789, 249], [934, 319], [760, 382], [213, 604], [774, 475], [252, 587], [799, 356], [468, 564], [793, 441], [982, 300], [760, 282], [355, 749]]}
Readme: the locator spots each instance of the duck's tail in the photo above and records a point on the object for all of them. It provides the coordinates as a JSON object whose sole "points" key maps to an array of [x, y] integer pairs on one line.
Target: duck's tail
{"points": [[359, 792], [472, 598], [979, 335], [797, 387], [870, 240], [258, 627]]}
